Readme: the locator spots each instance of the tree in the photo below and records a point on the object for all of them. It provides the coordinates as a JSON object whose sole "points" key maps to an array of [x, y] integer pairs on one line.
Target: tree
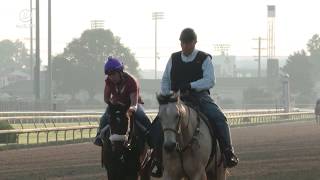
{"points": [[298, 67], [13, 55], [314, 50], [81, 64]]}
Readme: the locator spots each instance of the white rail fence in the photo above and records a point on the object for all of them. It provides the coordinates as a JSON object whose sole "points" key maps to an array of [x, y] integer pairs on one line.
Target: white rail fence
{"points": [[56, 128]]}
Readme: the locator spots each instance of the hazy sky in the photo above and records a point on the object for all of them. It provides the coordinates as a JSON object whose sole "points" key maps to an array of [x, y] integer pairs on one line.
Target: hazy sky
{"points": [[234, 22]]}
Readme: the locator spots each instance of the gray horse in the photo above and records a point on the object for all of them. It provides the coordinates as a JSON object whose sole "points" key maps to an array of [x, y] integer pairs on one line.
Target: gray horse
{"points": [[189, 152]]}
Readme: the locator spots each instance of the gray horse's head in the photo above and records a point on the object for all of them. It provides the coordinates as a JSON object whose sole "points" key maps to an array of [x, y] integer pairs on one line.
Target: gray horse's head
{"points": [[171, 114]]}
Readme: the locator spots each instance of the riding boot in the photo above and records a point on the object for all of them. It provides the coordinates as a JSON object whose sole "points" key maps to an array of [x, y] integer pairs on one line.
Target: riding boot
{"points": [[155, 137], [231, 160], [97, 140]]}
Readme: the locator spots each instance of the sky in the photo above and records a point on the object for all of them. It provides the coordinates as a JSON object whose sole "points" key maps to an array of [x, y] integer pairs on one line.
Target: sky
{"points": [[233, 22]]}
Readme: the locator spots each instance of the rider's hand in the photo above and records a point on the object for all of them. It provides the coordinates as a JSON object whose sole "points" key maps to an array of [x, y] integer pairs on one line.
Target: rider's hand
{"points": [[114, 102], [132, 110]]}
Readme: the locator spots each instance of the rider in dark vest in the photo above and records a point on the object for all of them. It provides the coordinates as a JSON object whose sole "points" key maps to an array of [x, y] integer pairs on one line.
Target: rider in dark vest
{"points": [[192, 70], [179, 68]]}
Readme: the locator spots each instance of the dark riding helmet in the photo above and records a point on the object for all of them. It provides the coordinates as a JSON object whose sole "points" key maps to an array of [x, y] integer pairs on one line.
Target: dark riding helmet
{"points": [[188, 35], [113, 65]]}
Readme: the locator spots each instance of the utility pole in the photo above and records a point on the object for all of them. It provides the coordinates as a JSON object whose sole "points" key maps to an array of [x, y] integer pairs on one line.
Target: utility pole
{"points": [[156, 16], [31, 42], [49, 70], [37, 65], [259, 54]]}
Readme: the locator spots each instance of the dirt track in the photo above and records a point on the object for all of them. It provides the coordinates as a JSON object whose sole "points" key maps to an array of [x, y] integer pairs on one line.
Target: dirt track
{"points": [[281, 151]]}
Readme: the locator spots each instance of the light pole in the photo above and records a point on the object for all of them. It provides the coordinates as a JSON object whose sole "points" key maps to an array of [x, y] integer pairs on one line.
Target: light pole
{"points": [[31, 43], [49, 70], [156, 16], [286, 91], [37, 65]]}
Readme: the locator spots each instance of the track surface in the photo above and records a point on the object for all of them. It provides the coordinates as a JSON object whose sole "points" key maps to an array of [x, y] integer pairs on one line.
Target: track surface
{"points": [[267, 152]]}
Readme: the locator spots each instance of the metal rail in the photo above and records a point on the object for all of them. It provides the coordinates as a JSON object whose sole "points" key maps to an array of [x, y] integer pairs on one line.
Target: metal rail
{"points": [[62, 132]]}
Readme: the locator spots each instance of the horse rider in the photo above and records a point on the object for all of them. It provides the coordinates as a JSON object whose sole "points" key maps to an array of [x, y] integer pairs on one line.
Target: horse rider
{"points": [[123, 88], [192, 70]]}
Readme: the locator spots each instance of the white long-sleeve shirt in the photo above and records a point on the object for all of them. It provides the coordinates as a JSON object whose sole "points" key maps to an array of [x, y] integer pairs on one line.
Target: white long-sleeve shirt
{"points": [[205, 83]]}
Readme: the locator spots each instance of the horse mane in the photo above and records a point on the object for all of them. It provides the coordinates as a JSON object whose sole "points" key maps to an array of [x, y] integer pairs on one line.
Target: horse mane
{"points": [[165, 99]]}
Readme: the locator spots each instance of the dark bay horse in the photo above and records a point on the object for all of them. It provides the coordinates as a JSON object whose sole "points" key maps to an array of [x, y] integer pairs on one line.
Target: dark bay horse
{"points": [[189, 151], [123, 154]]}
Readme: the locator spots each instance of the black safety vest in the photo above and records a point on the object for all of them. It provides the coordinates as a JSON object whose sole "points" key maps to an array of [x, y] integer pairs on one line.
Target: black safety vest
{"points": [[186, 72]]}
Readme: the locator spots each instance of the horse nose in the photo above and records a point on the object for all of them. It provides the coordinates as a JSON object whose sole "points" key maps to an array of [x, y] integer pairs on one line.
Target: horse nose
{"points": [[169, 146]]}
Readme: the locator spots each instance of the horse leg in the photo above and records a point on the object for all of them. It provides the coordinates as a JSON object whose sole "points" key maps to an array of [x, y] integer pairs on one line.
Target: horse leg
{"points": [[199, 176], [132, 177], [210, 175], [217, 174], [145, 173]]}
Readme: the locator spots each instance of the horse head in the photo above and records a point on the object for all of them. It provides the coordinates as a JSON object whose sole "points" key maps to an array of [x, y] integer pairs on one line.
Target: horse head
{"points": [[174, 120], [120, 152], [119, 126], [184, 129]]}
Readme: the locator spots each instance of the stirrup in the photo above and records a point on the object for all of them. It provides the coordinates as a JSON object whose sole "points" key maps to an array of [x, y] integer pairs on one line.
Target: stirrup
{"points": [[156, 169], [98, 141], [231, 160]]}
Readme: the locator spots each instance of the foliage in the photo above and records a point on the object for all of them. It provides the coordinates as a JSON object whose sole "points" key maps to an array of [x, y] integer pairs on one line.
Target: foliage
{"points": [[13, 55], [314, 50], [298, 67], [81, 64], [12, 138], [304, 71]]}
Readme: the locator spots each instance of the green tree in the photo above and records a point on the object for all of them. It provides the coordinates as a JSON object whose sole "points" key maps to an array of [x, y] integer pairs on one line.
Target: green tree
{"points": [[298, 67], [81, 64], [313, 47], [13, 55]]}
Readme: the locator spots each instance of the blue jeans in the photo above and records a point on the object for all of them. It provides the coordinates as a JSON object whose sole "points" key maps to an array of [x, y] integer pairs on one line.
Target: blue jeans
{"points": [[145, 129], [216, 118]]}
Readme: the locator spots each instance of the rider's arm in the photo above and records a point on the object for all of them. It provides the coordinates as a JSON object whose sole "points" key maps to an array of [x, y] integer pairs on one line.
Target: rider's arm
{"points": [[134, 95], [107, 93], [208, 80], [166, 80], [134, 101]]}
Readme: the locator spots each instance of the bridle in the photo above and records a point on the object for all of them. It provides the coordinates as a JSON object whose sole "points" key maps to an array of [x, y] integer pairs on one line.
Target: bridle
{"points": [[124, 138], [178, 132]]}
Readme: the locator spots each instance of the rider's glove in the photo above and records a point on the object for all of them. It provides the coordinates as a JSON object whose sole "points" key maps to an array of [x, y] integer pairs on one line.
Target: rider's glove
{"points": [[132, 110]]}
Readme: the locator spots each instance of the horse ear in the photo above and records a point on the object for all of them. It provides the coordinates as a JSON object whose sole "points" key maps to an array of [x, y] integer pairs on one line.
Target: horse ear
{"points": [[161, 98], [175, 96]]}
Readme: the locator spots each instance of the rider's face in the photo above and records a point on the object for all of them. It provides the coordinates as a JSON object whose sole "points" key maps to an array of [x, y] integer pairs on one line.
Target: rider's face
{"points": [[115, 77], [188, 47]]}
